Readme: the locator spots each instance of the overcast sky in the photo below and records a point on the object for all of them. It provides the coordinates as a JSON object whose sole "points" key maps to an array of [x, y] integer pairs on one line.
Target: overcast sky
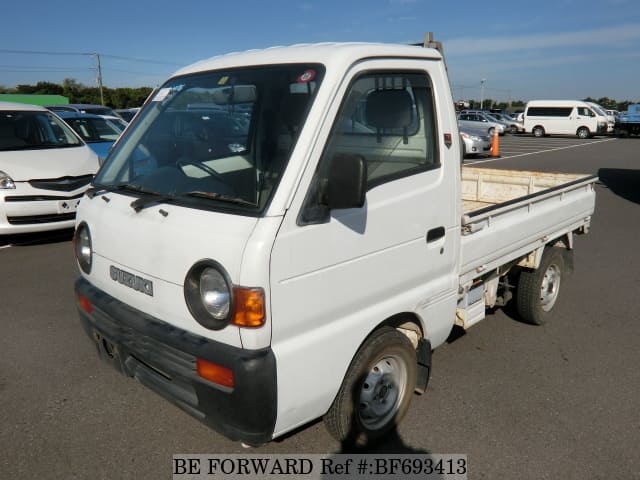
{"points": [[522, 49]]}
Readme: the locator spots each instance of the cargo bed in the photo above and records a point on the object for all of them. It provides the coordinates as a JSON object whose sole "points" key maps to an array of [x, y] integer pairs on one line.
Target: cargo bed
{"points": [[509, 213]]}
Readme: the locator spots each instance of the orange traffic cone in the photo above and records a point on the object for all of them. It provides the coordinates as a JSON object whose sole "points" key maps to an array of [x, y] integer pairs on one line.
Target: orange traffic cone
{"points": [[495, 145]]}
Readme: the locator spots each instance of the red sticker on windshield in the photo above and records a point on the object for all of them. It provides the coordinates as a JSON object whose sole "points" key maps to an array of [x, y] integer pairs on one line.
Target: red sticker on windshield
{"points": [[307, 76]]}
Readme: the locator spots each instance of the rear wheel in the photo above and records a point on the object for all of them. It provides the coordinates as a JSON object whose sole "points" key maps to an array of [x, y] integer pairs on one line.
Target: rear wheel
{"points": [[376, 391], [583, 132], [491, 131], [538, 131], [538, 290]]}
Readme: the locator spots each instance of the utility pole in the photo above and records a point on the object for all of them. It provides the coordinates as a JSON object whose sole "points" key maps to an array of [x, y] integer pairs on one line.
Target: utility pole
{"points": [[482, 93], [429, 42], [97, 55]]}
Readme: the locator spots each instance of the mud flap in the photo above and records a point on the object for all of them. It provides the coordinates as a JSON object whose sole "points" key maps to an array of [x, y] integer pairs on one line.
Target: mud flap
{"points": [[423, 354]]}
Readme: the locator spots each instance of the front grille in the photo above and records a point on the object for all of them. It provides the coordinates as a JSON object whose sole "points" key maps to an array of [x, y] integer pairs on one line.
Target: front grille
{"points": [[39, 198], [64, 184], [36, 219]]}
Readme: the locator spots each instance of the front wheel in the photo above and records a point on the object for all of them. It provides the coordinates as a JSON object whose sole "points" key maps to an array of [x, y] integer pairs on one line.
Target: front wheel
{"points": [[538, 290], [376, 390], [513, 129]]}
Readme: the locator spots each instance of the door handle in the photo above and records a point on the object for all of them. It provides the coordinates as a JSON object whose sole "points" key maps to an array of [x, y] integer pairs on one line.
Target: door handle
{"points": [[435, 234]]}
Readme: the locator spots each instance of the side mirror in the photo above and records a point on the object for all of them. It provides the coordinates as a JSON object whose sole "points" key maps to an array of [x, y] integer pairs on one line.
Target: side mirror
{"points": [[347, 182]]}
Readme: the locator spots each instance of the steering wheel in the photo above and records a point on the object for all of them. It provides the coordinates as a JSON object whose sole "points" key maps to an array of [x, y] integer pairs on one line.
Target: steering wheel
{"points": [[205, 168]]}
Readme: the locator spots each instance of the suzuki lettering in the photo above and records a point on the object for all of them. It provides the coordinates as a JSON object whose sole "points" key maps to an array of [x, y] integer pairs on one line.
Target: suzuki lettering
{"points": [[132, 281]]}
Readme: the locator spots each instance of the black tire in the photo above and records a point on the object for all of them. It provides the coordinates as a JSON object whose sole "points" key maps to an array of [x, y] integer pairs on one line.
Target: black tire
{"points": [[376, 390], [583, 133], [538, 131], [513, 129], [538, 290], [491, 131]]}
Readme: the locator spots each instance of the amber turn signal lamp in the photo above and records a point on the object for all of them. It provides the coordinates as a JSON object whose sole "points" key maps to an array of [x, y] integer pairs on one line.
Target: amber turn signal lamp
{"points": [[215, 373], [249, 309]]}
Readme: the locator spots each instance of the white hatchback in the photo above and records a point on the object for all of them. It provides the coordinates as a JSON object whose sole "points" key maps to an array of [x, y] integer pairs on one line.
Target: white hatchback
{"points": [[44, 170]]}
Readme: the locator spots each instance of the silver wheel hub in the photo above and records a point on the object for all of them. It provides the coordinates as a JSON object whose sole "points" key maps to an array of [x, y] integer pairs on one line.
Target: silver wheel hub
{"points": [[382, 391], [550, 287]]}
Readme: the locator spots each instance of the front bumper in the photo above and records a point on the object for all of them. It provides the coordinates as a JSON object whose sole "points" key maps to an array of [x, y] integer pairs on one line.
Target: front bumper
{"points": [[41, 205], [163, 358]]}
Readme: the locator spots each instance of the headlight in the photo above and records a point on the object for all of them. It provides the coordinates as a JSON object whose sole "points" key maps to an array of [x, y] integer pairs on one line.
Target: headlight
{"points": [[83, 248], [209, 294], [474, 138], [6, 182], [215, 293]]}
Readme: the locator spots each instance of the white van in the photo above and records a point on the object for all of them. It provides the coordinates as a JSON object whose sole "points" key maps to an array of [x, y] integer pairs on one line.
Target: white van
{"points": [[44, 170], [563, 117]]}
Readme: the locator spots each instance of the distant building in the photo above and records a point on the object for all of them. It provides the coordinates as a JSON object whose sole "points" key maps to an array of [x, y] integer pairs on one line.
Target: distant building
{"points": [[33, 99]]}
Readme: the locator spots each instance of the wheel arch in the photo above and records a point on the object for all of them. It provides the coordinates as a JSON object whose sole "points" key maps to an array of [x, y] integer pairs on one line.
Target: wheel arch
{"points": [[541, 127], [412, 327], [584, 127]]}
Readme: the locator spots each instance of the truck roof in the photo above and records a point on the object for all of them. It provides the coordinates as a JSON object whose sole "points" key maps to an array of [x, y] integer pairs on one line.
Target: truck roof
{"points": [[340, 55]]}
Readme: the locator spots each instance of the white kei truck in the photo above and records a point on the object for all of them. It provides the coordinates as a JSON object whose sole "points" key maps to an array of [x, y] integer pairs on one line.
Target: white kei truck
{"points": [[286, 234]]}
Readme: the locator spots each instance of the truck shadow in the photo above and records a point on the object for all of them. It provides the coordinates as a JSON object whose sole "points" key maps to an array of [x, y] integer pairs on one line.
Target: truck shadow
{"points": [[366, 461], [41, 238], [391, 444], [623, 182]]}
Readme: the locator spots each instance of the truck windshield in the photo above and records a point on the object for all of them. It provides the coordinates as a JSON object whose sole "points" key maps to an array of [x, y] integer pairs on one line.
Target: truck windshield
{"points": [[215, 140]]}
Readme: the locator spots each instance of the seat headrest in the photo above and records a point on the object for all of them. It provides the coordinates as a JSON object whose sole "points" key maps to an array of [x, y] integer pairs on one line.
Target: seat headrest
{"points": [[7, 130], [388, 109]]}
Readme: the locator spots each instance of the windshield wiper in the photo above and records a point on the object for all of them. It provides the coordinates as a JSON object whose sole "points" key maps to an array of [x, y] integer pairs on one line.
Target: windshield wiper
{"points": [[149, 199], [118, 187], [153, 198], [220, 197]]}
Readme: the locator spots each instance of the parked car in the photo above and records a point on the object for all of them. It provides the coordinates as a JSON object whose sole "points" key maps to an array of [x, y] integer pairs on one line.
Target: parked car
{"points": [[44, 170], [474, 141], [513, 126], [480, 120], [84, 108], [98, 131], [127, 114], [611, 119]]}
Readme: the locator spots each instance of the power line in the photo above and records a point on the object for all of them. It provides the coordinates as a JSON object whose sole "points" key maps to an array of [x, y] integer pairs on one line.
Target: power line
{"points": [[105, 55], [137, 73], [34, 52], [49, 70], [133, 59]]}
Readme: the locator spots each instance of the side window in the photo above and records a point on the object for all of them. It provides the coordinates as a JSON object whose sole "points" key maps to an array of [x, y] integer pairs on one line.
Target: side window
{"points": [[388, 119]]}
